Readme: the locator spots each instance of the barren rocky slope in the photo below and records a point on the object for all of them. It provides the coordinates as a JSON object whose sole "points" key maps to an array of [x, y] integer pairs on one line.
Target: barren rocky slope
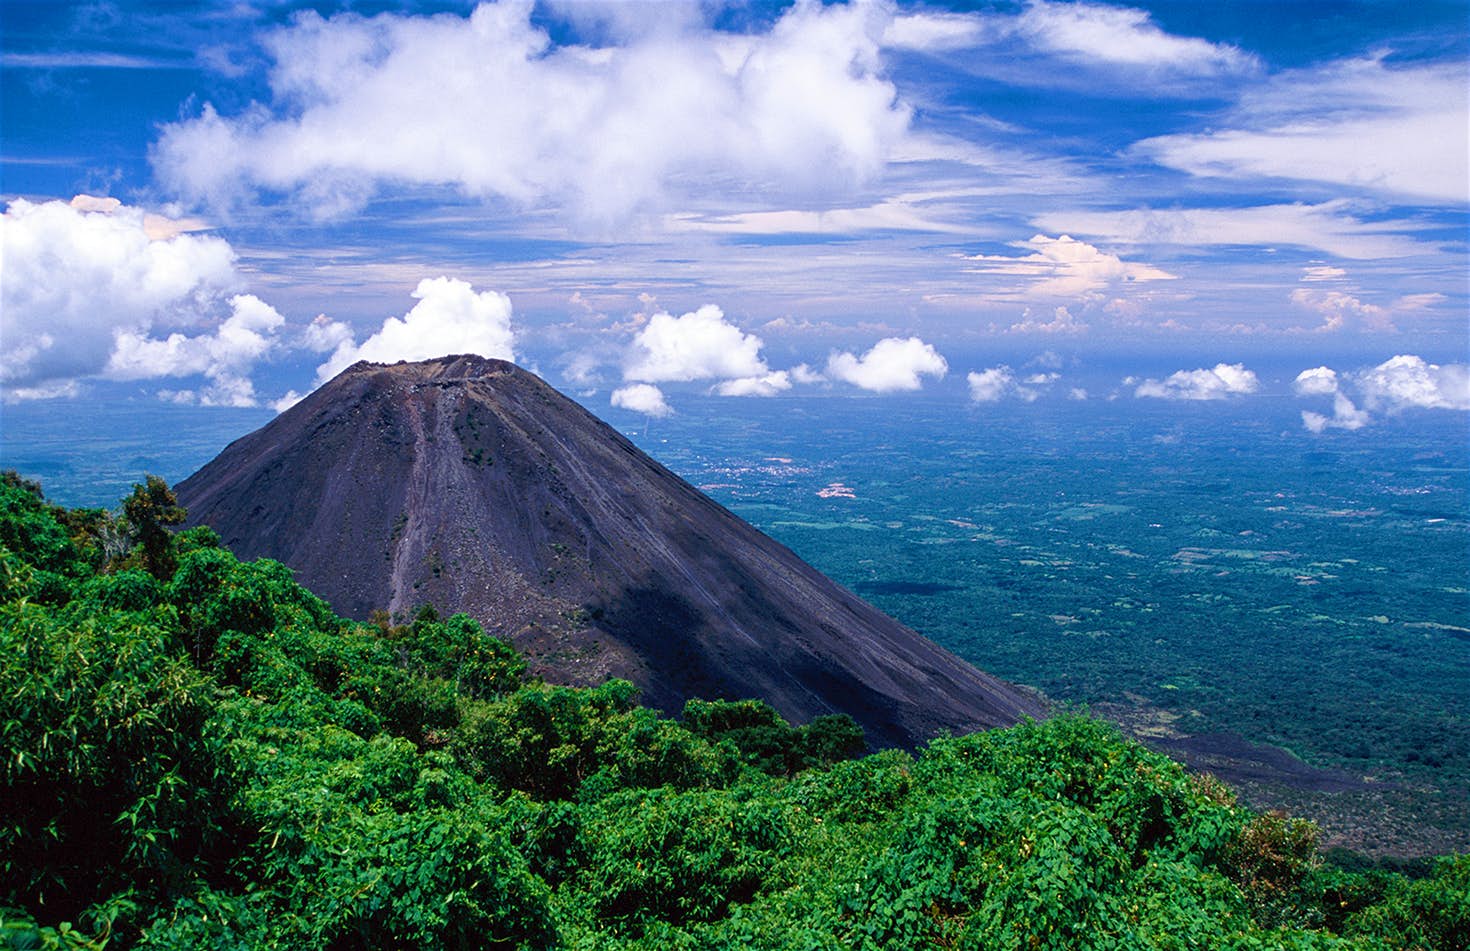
{"points": [[472, 485]]}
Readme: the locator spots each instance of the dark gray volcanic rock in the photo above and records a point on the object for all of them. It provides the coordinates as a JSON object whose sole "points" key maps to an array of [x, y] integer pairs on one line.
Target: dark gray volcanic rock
{"points": [[472, 485]]}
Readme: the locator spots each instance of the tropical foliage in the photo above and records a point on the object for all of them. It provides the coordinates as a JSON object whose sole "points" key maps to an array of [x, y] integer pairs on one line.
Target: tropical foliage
{"points": [[195, 752]]}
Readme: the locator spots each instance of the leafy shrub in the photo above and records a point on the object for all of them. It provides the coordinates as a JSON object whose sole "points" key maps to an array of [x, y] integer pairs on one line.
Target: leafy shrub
{"points": [[677, 856], [1432, 914], [767, 742], [458, 650], [105, 773], [545, 740], [127, 590], [866, 789], [1272, 859], [29, 527]]}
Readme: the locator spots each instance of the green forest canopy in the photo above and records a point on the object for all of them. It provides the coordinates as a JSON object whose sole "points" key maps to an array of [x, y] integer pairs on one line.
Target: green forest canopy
{"points": [[198, 753]]}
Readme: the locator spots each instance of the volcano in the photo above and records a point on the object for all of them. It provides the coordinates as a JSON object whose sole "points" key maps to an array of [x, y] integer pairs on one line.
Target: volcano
{"points": [[472, 485]]}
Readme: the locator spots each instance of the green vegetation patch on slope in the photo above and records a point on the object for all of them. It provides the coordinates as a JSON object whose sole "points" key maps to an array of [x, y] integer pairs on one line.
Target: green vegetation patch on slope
{"points": [[195, 752]]}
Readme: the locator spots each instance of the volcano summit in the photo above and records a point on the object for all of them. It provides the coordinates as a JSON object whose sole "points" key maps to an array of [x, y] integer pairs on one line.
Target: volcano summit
{"points": [[472, 485]]}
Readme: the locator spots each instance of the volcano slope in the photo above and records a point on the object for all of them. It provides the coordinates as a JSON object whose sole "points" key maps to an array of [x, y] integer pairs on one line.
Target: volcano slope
{"points": [[471, 485]]}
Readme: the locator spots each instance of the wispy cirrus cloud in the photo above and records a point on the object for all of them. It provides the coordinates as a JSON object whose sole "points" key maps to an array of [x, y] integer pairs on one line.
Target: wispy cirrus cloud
{"points": [[1124, 36], [934, 31], [1330, 226], [1083, 34], [900, 213], [1365, 124], [90, 59]]}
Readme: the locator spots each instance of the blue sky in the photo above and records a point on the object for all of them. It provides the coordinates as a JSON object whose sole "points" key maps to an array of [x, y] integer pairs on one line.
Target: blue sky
{"points": [[225, 203]]}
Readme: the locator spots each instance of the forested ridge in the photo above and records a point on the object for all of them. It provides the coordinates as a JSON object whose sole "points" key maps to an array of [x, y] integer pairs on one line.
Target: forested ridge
{"points": [[198, 753]]}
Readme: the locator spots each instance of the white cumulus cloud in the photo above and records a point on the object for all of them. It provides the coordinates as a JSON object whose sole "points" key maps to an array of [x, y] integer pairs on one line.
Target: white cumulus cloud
{"points": [[225, 356], [1318, 381], [769, 385], [450, 317], [641, 398], [1324, 381], [988, 386], [1061, 322], [1407, 382], [1400, 383], [490, 105], [1066, 267], [994, 384], [893, 364], [1217, 383], [701, 345], [323, 335], [1345, 415], [803, 373], [78, 274], [1338, 308]]}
